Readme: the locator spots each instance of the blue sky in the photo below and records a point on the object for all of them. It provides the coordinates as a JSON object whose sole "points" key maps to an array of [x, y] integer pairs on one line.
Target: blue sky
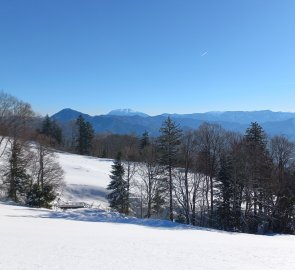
{"points": [[154, 56]]}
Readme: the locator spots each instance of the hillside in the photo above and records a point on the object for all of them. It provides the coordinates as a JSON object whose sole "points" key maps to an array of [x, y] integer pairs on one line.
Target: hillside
{"points": [[39, 239], [86, 179]]}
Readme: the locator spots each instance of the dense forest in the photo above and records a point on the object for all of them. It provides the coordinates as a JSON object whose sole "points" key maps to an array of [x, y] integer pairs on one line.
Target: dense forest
{"points": [[207, 177]]}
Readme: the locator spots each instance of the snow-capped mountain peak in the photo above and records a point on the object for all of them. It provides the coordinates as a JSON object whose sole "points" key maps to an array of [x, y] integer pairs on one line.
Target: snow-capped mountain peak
{"points": [[127, 112]]}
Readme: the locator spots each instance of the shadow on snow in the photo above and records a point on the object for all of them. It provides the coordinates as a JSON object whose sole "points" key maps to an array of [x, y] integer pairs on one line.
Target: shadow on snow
{"points": [[96, 215]]}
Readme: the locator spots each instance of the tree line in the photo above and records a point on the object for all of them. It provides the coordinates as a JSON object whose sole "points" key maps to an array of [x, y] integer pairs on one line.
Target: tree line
{"points": [[208, 177]]}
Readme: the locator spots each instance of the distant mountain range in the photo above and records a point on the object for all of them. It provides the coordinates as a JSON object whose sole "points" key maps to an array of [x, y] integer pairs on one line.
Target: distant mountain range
{"points": [[126, 121]]}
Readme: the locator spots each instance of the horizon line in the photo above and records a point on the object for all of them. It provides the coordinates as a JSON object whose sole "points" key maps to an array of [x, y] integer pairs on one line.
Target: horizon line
{"points": [[175, 113]]}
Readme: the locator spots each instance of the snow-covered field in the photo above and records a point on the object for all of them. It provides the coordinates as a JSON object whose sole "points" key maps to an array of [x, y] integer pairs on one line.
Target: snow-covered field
{"points": [[84, 239], [86, 179]]}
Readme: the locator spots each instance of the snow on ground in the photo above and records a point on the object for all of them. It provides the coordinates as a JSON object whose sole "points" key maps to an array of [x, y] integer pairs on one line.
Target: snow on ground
{"points": [[39, 239], [86, 179], [34, 239]]}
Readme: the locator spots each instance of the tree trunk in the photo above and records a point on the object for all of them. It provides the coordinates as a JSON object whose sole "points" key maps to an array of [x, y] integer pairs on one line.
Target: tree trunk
{"points": [[211, 201], [187, 209], [170, 195]]}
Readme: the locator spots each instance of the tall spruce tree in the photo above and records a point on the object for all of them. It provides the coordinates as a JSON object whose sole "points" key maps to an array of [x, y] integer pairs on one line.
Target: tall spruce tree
{"points": [[259, 167], [17, 180], [144, 140], [224, 195], [118, 197], [169, 142], [85, 136], [51, 129], [256, 136], [46, 126]]}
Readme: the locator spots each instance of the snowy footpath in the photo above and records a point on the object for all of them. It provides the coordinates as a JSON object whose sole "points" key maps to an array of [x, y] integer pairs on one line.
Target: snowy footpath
{"points": [[84, 239]]}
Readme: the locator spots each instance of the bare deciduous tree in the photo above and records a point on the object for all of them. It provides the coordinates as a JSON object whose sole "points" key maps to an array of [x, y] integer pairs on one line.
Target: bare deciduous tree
{"points": [[149, 172], [210, 143]]}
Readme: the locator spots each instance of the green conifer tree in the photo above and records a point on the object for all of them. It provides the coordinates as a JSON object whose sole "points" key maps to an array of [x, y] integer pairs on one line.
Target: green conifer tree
{"points": [[118, 186], [52, 130], [144, 141], [224, 195], [85, 136], [258, 180], [17, 178]]}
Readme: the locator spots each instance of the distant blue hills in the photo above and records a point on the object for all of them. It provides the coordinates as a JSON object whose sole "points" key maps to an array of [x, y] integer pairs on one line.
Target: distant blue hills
{"points": [[126, 121]]}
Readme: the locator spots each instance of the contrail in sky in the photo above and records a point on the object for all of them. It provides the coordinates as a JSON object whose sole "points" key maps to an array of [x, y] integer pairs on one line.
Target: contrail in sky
{"points": [[204, 53]]}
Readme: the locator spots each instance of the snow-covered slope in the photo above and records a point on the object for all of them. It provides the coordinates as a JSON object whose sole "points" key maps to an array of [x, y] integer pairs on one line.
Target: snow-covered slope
{"points": [[40, 239], [33, 239], [86, 179]]}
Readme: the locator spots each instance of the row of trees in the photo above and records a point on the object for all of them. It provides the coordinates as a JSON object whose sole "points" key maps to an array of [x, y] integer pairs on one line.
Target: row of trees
{"points": [[208, 177], [29, 172], [205, 177]]}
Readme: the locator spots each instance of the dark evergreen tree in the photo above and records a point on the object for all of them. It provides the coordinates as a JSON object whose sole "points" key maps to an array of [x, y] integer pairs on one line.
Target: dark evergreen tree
{"points": [[46, 126], [256, 137], [17, 179], [169, 142], [85, 136], [225, 195], [144, 141], [56, 132], [41, 197], [118, 197], [258, 179], [52, 130]]}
